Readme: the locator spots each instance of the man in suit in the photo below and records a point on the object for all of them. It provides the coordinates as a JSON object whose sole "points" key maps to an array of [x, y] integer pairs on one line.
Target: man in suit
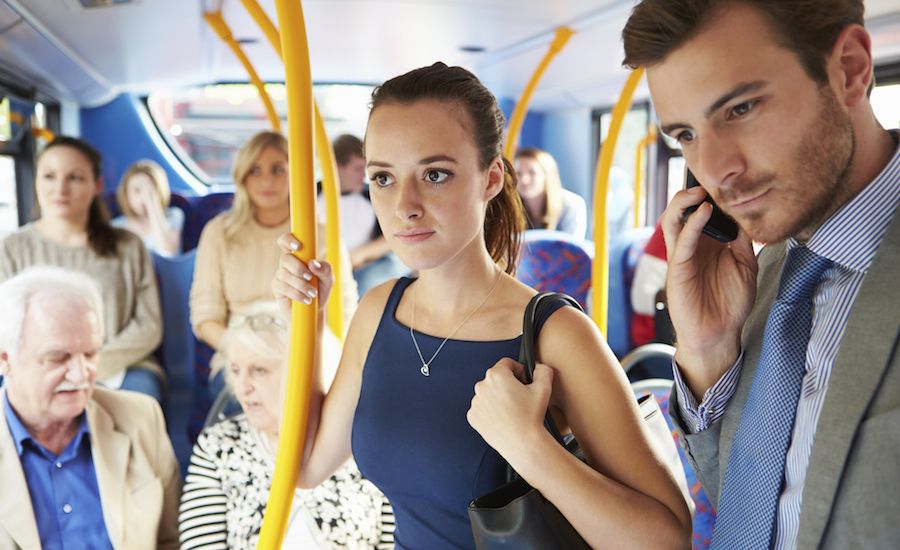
{"points": [[769, 101], [81, 466]]}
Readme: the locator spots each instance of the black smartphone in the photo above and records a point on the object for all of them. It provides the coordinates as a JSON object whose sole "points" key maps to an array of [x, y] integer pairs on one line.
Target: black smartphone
{"points": [[720, 226]]}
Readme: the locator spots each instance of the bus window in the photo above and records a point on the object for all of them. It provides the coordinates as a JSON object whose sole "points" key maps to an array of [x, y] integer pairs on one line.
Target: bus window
{"points": [[206, 125], [9, 212], [676, 177], [886, 104], [620, 205]]}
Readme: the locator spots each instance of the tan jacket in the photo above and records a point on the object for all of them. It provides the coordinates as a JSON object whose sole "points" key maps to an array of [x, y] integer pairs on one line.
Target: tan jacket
{"points": [[137, 474]]}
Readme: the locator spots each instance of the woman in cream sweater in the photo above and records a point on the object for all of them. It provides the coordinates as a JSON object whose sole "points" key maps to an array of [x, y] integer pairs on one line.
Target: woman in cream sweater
{"points": [[237, 255]]}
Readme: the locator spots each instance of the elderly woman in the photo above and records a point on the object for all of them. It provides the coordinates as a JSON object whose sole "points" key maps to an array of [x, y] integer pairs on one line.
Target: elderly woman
{"points": [[227, 485]]}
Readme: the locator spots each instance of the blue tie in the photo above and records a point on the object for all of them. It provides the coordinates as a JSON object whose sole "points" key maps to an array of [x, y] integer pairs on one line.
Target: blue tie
{"points": [[755, 473]]}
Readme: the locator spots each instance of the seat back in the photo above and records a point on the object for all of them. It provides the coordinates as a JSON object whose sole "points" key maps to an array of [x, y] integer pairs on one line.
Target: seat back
{"points": [[704, 513], [624, 251], [202, 210], [176, 353], [553, 261]]}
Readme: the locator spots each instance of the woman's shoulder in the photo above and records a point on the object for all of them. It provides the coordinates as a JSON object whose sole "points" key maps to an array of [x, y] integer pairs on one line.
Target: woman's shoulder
{"points": [[573, 200], [17, 238]]}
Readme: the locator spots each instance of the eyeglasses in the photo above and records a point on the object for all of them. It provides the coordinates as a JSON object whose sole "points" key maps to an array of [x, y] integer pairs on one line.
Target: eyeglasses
{"points": [[256, 322]]}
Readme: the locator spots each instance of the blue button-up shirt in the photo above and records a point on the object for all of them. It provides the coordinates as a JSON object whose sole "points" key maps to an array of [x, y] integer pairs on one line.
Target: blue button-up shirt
{"points": [[63, 488]]}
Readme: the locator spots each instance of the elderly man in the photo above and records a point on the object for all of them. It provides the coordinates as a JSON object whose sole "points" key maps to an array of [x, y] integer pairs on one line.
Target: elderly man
{"points": [[81, 467]]}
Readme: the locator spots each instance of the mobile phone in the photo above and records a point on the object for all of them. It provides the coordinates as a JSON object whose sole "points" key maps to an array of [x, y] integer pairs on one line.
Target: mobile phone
{"points": [[720, 226]]}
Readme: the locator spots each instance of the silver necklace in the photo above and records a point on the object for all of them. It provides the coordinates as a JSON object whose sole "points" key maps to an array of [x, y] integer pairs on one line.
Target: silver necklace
{"points": [[425, 370]]}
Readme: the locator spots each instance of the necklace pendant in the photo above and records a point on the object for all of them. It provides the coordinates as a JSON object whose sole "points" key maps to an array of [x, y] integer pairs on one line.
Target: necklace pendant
{"points": [[424, 370]]}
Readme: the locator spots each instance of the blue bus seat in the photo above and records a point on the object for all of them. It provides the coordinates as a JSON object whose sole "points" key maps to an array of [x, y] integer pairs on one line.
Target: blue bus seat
{"points": [[624, 251], [704, 513], [202, 210], [554, 261], [174, 275]]}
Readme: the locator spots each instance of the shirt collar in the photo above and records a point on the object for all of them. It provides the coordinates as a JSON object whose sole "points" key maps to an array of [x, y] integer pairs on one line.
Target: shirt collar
{"points": [[852, 235], [20, 433]]}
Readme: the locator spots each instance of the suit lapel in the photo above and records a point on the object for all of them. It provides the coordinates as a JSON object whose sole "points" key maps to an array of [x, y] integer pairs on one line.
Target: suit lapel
{"points": [[16, 512], [866, 348], [110, 450]]}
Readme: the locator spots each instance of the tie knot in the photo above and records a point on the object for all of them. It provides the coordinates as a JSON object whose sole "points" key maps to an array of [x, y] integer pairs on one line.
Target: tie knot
{"points": [[802, 271]]}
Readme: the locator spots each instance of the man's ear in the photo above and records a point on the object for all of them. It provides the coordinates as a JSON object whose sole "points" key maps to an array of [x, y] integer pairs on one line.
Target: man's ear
{"points": [[850, 65], [4, 363], [496, 176]]}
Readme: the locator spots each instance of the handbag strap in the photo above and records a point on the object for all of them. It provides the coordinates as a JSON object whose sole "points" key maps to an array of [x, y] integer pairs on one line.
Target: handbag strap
{"points": [[537, 309]]}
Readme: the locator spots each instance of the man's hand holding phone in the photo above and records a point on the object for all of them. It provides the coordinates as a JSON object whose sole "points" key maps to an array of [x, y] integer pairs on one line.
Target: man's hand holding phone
{"points": [[710, 287]]}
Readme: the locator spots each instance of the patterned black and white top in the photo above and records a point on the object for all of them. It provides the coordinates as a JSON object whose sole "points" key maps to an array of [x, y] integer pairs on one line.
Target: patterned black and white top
{"points": [[227, 487]]}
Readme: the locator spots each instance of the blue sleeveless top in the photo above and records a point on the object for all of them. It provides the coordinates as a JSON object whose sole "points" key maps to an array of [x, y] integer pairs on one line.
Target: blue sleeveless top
{"points": [[410, 433]]}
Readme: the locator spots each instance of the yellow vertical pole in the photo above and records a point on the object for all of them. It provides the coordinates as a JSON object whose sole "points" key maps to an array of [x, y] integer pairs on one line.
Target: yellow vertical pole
{"points": [[563, 34], [292, 436], [600, 267], [330, 184], [639, 172], [215, 20]]}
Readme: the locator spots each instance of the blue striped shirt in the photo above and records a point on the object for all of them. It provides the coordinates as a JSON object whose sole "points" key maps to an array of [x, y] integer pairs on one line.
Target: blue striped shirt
{"points": [[850, 238]]}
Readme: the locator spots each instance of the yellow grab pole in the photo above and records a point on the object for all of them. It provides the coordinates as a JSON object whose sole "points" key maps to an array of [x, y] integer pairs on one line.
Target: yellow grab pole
{"points": [[330, 185], [292, 436], [215, 20], [563, 34], [264, 23], [331, 190], [43, 133], [600, 267], [639, 170]]}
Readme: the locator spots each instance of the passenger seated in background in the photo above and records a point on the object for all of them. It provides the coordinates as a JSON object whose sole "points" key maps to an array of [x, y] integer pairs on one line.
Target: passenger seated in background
{"points": [[227, 485], [143, 197], [73, 232], [237, 255], [547, 204], [649, 280], [81, 466], [403, 394], [372, 260]]}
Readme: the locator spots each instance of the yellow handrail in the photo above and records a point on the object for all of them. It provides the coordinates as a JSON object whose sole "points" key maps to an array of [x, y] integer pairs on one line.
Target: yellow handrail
{"points": [[43, 133], [292, 436], [215, 20], [600, 267], [638, 171], [563, 34], [330, 184]]}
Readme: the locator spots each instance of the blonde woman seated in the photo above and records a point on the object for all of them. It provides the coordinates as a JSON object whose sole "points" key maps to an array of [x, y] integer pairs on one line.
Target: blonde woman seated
{"points": [[237, 255], [143, 197], [547, 204], [227, 485]]}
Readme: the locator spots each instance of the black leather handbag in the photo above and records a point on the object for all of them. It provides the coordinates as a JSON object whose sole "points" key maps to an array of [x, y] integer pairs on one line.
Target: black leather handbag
{"points": [[517, 515]]}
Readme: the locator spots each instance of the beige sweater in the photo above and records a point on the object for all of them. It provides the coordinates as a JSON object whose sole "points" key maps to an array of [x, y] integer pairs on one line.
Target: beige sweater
{"points": [[230, 275], [131, 316]]}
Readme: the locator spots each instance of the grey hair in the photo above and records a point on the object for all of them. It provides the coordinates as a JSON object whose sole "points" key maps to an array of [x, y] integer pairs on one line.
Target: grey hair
{"points": [[267, 339], [16, 293]]}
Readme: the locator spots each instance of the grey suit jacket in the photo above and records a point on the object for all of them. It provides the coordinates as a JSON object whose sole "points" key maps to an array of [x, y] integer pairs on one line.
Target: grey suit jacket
{"points": [[851, 498], [137, 474]]}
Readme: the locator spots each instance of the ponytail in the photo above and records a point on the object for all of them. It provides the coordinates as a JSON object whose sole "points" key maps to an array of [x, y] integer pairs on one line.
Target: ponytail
{"points": [[504, 222], [102, 237]]}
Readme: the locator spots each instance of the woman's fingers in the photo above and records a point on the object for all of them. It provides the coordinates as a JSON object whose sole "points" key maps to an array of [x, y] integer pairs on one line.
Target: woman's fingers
{"points": [[288, 243]]}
